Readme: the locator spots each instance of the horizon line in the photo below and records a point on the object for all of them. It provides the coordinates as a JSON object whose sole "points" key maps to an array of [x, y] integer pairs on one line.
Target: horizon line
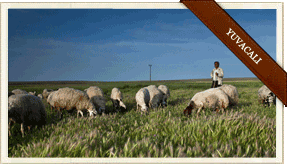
{"points": [[205, 79]]}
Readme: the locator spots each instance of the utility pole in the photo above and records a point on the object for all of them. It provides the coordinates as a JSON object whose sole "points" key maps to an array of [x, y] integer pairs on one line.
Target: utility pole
{"points": [[150, 73]]}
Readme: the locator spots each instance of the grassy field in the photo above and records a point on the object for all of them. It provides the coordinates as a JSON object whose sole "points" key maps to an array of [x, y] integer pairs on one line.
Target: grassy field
{"points": [[246, 130]]}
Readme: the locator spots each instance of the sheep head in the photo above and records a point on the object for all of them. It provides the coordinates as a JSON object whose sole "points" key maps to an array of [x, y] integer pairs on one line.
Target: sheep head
{"points": [[122, 106], [189, 109], [144, 109]]}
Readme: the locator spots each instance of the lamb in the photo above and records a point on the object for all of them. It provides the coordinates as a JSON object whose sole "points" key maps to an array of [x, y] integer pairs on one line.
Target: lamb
{"points": [[156, 97], [143, 99], [19, 91], [166, 93], [232, 94], [96, 94], [266, 96], [69, 98], [212, 98], [117, 99], [46, 93], [27, 110]]}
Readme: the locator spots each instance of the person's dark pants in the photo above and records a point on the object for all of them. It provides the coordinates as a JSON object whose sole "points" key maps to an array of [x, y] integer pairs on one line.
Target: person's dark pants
{"points": [[215, 84]]}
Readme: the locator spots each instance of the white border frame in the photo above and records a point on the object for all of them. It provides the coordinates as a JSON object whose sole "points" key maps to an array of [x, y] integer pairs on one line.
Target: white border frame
{"points": [[142, 5]]}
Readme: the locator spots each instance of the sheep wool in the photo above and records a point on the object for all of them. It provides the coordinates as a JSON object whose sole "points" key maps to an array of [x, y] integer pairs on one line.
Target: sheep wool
{"points": [[50, 100], [266, 96], [46, 93], [156, 97], [142, 99], [212, 98], [96, 95], [231, 92], [19, 91], [27, 110], [69, 98], [117, 99], [165, 91]]}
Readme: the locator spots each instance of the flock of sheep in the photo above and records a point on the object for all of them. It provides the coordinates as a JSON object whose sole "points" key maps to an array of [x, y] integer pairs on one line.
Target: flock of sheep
{"points": [[28, 109]]}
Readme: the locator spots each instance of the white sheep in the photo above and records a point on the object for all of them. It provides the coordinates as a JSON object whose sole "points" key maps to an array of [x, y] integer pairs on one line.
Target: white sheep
{"points": [[50, 100], [166, 93], [46, 93], [19, 91], [156, 97], [231, 92], [117, 99], [212, 98], [266, 96], [27, 110], [96, 94], [142, 99], [69, 98]]}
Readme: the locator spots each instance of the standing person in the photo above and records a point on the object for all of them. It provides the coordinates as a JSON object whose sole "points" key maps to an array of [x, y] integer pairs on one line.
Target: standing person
{"points": [[217, 75]]}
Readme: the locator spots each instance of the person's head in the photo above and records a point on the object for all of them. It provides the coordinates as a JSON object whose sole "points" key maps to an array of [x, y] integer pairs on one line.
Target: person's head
{"points": [[216, 64]]}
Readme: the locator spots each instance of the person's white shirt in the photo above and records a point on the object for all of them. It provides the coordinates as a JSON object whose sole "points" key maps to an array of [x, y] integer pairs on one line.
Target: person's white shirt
{"points": [[220, 75], [215, 78]]}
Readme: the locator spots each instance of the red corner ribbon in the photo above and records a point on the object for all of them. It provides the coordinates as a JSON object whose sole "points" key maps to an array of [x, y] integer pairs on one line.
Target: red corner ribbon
{"points": [[241, 44]]}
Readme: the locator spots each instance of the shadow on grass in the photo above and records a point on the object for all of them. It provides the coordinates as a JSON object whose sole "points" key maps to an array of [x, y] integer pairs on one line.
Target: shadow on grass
{"points": [[243, 104], [177, 101]]}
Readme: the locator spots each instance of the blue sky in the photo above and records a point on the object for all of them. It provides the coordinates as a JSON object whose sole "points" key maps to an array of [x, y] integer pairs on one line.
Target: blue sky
{"points": [[119, 44]]}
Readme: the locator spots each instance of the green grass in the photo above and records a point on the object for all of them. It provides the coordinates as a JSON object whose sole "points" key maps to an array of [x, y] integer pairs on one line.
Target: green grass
{"points": [[246, 130]]}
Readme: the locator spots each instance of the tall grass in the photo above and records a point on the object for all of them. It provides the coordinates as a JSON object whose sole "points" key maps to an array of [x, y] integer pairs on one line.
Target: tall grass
{"points": [[246, 130]]}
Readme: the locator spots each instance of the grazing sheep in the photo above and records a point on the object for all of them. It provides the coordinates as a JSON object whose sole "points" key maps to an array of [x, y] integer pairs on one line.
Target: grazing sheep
{"points": [[32, 93], [166, 93], [117, 99], [19, 91], [27, 110], [266, 96], [50, 100], [142, 99], [46, 93], [212, 98], [69, 98], [156, 97], [96, 94], [231, 92]]}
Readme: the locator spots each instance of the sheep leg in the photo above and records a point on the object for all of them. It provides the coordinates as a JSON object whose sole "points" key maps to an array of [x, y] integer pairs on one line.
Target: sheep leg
{"points": [[22, 129], [91, 113], [30, 128], [9, 127], [9, 131], [80, 113], [199, 109], [222, 107], [60, 114]]}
